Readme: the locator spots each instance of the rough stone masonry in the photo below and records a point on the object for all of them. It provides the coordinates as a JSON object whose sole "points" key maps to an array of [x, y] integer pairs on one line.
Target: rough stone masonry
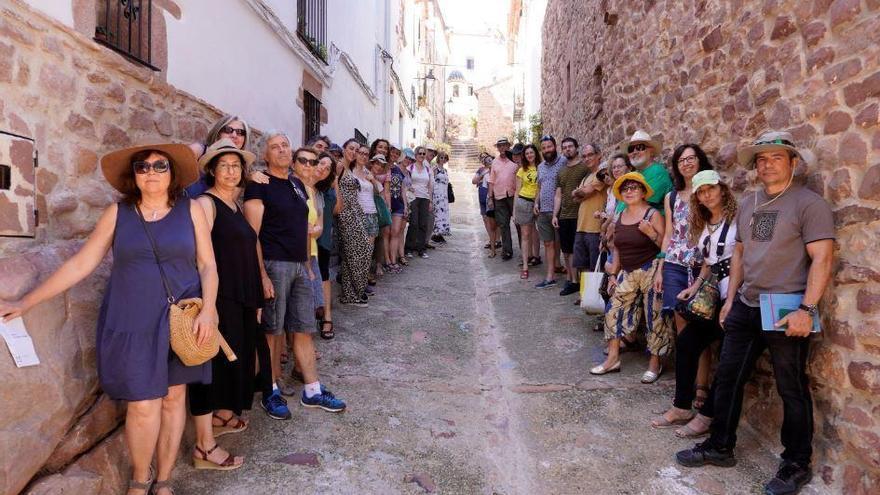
{"points": [[717, 73], [77, 100]]}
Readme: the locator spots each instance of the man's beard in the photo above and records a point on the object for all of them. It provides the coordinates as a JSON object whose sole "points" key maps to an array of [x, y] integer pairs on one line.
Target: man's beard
{"points": [[641, 161], [572, 157], [550, 156]]}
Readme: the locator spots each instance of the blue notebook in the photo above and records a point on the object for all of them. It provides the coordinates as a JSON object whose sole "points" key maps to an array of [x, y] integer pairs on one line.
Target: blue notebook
{"points": [[774, 307]]}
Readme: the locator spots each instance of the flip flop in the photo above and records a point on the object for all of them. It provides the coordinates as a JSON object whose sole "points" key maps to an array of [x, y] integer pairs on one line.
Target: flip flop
{"points": [[661, 423], [327, 334], [687, 432]]}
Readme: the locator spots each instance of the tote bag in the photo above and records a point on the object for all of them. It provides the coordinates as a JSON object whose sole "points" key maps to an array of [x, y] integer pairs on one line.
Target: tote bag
{"points": [[591, 300]]}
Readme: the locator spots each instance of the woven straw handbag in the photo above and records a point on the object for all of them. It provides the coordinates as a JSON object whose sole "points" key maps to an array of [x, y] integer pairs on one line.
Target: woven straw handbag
{"points": [[183, 340], [181, 315]]}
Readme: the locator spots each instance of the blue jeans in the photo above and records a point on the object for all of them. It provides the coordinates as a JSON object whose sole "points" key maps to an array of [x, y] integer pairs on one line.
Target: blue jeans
{"points": [[744, 341]]}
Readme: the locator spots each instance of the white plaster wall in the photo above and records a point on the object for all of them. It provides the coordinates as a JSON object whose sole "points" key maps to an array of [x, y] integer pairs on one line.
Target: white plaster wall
{"points": [[60, 10], [253, 75]]}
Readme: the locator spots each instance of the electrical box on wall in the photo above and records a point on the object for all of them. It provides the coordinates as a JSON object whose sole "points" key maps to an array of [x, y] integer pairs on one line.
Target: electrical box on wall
{"points": [[17, 186]]}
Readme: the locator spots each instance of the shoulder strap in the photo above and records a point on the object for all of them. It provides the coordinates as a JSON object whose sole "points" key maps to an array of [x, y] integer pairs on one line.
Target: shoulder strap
{"points": [[171, 299], [673, 195], [722, 240], [648, 213]]}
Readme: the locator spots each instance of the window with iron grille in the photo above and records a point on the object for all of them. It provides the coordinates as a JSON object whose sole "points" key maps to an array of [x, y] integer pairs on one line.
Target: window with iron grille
{"points": [[359, 137], [311, 26], [124, 26], [311, 116]]}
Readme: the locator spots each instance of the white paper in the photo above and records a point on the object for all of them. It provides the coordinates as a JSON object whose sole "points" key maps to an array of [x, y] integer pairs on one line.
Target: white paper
{"points": [[19, 343]]}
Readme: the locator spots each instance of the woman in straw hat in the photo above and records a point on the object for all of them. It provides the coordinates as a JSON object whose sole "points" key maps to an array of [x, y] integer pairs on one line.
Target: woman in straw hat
{"points": [[134, 359], [637, 236], [217, 408]]}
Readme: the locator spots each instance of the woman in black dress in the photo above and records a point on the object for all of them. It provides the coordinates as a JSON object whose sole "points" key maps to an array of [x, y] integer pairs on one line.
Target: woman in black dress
{"points": [[217, 407]]}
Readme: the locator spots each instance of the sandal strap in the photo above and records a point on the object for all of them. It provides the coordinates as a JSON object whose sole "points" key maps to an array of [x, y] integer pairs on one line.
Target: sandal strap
{"points": [[223, 422], [162, 484], [134, 484]]}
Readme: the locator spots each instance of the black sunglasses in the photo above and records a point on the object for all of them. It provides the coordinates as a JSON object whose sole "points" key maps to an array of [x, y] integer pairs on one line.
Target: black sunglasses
{"points": [[637, 147], [232, 130], [159, 166], [306, 161]]}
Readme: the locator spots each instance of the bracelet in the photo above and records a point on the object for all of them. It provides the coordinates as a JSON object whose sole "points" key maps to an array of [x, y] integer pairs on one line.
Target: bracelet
{"points": [[661, 255]]}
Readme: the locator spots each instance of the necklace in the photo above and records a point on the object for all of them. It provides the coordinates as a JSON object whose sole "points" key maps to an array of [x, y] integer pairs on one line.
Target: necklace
{"points": [[768, 203], [156, 211]]}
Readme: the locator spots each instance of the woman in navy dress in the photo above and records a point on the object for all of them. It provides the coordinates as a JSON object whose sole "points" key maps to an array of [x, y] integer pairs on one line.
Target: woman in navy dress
{"points": [[135, 361]]}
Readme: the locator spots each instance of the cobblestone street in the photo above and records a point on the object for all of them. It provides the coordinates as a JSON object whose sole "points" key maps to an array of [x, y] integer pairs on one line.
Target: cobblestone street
{"points": [[475, 384]]}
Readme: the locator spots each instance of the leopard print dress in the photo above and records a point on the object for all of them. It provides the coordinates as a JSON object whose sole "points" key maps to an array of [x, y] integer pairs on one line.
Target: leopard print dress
{"points": [[356, 248]]}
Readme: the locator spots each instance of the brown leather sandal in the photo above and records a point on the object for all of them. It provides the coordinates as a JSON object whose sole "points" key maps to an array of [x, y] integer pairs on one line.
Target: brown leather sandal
{"points": [[200, 460], [224, 428], [160, 485], [145, 486]]}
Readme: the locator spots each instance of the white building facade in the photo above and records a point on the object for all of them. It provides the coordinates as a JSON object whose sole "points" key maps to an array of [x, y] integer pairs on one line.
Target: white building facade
{"points": [[340, 68]]}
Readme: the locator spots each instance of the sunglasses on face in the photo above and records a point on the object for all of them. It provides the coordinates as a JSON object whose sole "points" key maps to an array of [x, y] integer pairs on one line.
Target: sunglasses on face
{"points": [[306, 161], [637, 147], [159, 166], [420, 153], [233, 130]]}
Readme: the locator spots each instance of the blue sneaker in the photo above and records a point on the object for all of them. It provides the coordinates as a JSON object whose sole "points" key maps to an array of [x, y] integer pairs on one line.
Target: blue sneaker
{"points": [[545, 284], [275, 406], [325, 400]]}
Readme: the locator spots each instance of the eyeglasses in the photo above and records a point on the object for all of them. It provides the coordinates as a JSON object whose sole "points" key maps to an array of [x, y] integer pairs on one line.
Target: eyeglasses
{"points": [[637, 147], [232, 130], [631, 187], [307, 161], [229, 167], [159, 166], [364, 153], [687, 159]]}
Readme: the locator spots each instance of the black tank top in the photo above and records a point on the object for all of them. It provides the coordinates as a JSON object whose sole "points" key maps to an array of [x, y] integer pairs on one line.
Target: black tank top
{"points": [[635, 248], [235, 250]]}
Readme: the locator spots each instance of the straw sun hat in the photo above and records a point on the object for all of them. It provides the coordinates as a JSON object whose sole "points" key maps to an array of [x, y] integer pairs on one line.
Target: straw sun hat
{"points": [[117, 164], [634, 177]]}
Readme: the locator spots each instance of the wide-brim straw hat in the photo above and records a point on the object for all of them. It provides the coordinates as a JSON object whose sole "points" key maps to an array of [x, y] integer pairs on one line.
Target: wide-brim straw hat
{"points": [[631, 176], [222, 147], [641, 136], [773, 140], [117, 164]]}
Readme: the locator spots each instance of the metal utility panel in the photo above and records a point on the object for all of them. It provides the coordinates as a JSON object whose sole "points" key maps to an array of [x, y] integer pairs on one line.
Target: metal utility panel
{"points": [[17, 186]]}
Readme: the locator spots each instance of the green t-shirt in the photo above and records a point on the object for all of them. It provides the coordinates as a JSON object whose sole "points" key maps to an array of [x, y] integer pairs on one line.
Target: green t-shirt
{"points": [[658, 178], [569, 179]]}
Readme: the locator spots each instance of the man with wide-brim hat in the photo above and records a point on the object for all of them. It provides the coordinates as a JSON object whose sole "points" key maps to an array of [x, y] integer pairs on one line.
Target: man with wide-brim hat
{"points": [[117, 165], [502, 190], [784, 246], [644, 153]]}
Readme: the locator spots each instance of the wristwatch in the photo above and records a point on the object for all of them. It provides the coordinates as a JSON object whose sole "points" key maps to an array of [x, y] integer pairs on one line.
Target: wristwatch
{"points": [[812, 309]]}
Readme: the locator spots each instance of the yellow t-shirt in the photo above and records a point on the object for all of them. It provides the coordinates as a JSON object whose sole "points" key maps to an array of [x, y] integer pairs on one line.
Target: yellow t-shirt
{"points": [[596, 202], [313, 220], [529, 180]]}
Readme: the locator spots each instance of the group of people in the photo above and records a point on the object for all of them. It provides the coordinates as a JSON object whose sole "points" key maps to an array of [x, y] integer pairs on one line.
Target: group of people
{"points": [[666, 235], [256, 242]]}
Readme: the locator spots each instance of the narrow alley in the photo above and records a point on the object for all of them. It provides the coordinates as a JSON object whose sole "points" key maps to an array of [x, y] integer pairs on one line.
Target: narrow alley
{"points": [[474, 384]]}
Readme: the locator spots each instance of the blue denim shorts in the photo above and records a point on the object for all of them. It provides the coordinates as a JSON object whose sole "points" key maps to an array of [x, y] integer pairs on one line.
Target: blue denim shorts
{"points": [[675, 280], [293, 307]]}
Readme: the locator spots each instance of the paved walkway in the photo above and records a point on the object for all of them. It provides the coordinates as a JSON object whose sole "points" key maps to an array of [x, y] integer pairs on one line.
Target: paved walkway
{"points": [[462, 379]]}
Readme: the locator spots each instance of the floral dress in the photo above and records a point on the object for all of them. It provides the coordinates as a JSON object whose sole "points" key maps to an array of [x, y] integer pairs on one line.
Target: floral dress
{"points": [[441, 201], [356, 249]]}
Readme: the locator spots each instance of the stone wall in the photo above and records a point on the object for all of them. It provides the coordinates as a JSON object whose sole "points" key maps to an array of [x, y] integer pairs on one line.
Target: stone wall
{"points": [[494, 114], [77, 100], [717, 73]]}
